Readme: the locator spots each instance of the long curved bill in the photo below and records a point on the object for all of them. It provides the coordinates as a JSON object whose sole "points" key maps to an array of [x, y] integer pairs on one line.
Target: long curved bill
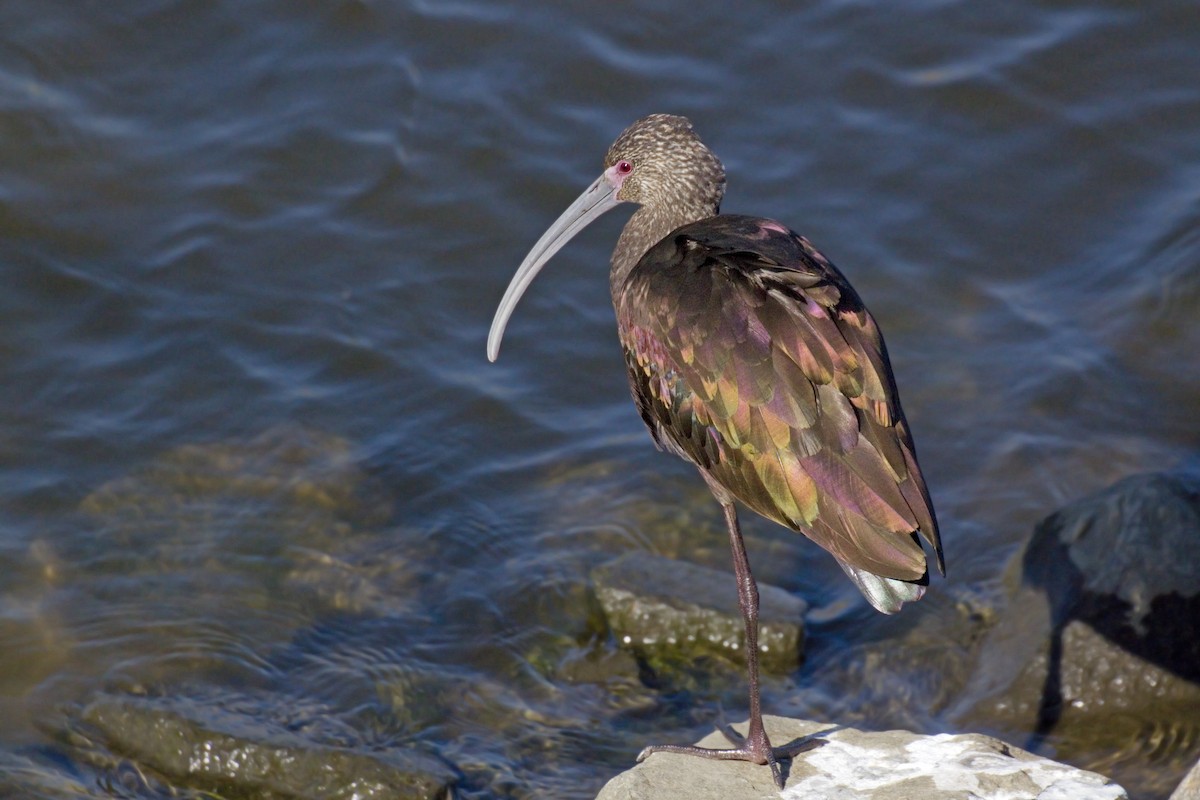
{"points": [[598, 198]]}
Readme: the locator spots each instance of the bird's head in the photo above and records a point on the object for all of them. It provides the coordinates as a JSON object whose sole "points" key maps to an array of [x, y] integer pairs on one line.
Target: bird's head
{"points": [[658, 163]]}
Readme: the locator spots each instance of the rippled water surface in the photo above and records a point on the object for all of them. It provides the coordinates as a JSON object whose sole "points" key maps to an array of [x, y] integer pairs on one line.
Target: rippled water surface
{"points": [[252, 454]]}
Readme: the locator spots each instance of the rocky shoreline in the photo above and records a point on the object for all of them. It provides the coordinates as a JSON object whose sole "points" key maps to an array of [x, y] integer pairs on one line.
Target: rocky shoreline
{"points": [[1090, 661]]}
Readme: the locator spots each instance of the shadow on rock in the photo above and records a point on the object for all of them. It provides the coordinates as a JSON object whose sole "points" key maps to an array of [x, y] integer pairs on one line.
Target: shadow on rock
{"points": [[1098, 655]]}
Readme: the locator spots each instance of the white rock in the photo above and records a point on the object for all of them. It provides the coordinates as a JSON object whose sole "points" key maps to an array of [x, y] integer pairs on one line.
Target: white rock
{"points": [[849, 764]]}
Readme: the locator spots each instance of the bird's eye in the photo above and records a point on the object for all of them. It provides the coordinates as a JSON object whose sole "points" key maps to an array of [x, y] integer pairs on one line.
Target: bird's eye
{"points": [[624, 167]]}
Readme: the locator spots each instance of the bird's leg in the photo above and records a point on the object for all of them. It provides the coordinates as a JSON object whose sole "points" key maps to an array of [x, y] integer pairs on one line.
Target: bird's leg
{"points": [[755, 747], [756, 738]]}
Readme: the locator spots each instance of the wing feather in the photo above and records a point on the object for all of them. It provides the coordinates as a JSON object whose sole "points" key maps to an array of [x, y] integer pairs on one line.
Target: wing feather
{"points": [[752, 356]]}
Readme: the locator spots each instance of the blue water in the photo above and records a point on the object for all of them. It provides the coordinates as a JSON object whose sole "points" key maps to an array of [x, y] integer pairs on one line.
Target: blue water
{"points": [[222, 219]]}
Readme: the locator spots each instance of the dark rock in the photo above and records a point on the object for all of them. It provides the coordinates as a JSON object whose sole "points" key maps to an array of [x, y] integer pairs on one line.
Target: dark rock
{"points": [[847, 763], [1098, 652], [1126, 561], [665, 610]]}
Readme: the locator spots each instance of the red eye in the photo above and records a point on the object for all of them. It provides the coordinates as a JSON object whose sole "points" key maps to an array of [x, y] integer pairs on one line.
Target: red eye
{"points": [[624, 167]]}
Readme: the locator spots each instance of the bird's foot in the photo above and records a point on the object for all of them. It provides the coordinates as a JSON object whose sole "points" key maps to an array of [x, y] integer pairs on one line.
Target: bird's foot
{"points": [[755, 748]]}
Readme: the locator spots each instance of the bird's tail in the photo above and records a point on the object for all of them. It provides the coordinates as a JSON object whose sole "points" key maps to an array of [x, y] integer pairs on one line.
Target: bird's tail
{"points": [[888, 595]]}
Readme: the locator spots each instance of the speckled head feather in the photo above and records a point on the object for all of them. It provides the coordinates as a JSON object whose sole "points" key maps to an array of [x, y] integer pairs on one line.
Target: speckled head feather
{"points": [[675, 179], [671, 166]]}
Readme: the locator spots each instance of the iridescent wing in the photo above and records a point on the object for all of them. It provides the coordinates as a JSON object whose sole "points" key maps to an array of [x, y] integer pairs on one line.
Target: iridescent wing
{"points": [[752, 356]]}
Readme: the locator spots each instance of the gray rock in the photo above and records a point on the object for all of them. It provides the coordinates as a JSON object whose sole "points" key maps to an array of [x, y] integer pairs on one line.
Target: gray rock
{"points": [[844, 763], [201, 746], [664, 609]]}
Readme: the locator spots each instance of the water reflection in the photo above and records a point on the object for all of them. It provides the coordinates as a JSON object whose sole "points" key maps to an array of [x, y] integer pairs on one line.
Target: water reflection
{"points": [[217, 220]]}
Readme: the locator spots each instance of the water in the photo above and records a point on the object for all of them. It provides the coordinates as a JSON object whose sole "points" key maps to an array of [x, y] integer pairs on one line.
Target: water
{"points": [[278, 231]]}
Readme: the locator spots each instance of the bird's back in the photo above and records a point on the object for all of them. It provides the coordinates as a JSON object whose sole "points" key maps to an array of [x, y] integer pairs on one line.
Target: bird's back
{"points": [[750, 355]]}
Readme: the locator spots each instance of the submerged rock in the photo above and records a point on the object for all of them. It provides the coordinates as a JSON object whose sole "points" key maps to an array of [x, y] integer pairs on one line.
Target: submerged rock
{"points": [[843, 762], [28, 779], [907, 669], [1125, 562], [228, 530], [313, 467], [240, 512], [360, 575], [206, 747], [667, 611]]}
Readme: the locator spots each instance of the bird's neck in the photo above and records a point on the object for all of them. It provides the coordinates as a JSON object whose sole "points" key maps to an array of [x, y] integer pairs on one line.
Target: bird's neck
{"points": [[648, 226]]}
